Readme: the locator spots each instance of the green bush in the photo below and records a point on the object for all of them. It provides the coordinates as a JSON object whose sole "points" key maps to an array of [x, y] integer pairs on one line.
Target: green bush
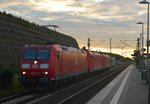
{"points": [[6, 77]]}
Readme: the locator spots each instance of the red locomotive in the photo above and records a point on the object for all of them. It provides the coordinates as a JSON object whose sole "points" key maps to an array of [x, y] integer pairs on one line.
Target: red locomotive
{"points": [[44, 64]]}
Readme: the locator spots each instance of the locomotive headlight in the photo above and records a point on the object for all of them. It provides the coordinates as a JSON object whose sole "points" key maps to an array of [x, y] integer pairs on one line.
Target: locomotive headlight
{"points": [[25, 66], [44, 66], [23, 72], [35, 62], [46, 72]]}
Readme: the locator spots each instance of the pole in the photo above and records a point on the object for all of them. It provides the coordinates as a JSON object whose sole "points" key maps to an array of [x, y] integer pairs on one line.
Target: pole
{"points": [[88, 44], [148, 71], [142, 57], [110, 45], [148, 34], [138, 57], [142, 38], [140, 50], [138, 43]]}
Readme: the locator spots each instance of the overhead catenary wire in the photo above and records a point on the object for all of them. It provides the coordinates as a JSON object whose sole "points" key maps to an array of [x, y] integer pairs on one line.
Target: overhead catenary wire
{"points": [[32, 16], [94, 20], [22, 12], [126, 44], [38, 18]]}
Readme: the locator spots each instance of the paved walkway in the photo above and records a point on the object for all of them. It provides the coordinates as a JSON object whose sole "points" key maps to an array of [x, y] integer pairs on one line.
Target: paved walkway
{"points": [[127, 88]]}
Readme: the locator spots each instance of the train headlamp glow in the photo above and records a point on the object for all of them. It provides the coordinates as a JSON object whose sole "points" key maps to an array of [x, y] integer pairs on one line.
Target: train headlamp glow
{"points": [[23, 72], [46, 73], [35, 62]]}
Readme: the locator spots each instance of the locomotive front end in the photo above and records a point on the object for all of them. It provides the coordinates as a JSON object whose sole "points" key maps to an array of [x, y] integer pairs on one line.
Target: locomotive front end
{"points": [[34, 67]]}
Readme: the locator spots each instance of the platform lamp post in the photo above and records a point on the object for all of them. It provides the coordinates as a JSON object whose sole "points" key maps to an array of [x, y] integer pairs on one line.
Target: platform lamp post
{"points": [[148, 71], [142, 47]]}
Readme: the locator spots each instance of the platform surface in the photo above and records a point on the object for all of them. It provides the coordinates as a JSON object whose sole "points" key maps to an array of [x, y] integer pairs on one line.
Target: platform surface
{"points": [[126, 88]]}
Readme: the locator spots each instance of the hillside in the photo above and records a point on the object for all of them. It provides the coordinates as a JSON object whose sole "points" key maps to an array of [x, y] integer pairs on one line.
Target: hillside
{"points": [[16, 32]]}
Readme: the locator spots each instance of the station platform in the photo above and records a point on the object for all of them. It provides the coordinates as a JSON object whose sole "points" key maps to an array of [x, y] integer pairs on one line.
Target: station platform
{"points": [[126, 88]]}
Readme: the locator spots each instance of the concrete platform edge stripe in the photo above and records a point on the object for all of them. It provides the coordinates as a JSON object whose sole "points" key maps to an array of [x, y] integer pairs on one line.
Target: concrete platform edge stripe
{"points": [[100, 96], [116, 97]]}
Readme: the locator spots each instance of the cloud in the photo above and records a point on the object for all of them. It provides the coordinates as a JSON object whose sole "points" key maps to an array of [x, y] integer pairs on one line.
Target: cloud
{"points": [[97, 19]]}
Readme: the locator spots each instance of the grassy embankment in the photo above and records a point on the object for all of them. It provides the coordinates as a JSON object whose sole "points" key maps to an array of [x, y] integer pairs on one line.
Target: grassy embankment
{"points": [[9, 84], [14, 33]]}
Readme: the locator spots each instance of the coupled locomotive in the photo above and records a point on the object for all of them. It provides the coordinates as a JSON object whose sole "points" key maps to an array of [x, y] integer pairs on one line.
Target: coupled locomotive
{"points": [[42, 65]]}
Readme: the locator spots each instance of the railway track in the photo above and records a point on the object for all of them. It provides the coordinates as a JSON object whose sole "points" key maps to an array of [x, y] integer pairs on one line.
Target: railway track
{"points": [[22, 95], [77, 93], [89, 91]]}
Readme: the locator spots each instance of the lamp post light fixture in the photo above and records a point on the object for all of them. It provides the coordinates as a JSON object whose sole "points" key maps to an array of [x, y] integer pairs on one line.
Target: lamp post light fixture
{"points": [[148, 70], [142, 45]]}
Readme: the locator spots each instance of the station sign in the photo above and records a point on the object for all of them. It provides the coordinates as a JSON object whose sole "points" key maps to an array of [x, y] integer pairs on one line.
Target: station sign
{"points": [[136, 53]]}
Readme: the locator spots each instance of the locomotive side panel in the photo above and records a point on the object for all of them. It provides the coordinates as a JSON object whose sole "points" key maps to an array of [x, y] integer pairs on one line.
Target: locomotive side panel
{"points": [[73, 63], [90, 61], [82, 63], [108, 62], [95, 62]]}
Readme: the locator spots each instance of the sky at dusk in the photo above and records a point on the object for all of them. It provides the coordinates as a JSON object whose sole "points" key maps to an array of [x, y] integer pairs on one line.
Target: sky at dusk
{"points": [[98, 20]]}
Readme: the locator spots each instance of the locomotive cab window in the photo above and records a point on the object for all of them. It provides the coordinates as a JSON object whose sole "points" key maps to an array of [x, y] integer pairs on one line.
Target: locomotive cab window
{"points": [[31, 54], [42, 54]]}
